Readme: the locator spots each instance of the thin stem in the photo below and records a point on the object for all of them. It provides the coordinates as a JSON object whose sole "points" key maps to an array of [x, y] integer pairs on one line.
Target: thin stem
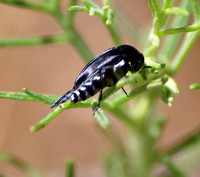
{"points": [[183, 52], [80, 45], [121, 114], [28, 5], [106, 14], [101, 118], [16, 96], [179, 30], [195, 86], [47, 119], [114, 34], [196, 9], [71, 15], [41, 124], [20, 164], [172, 42], [69, 168], [33, 96], [173, 168], [43, 40], [167, 4], [152, 84], [66, 22], [75, 39], [157, 7], [43, 98], [185, 142]]}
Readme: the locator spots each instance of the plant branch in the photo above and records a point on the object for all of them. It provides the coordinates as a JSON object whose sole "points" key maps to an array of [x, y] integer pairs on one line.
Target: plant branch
{"points": [[182, 144], [195, 86], [196, 9], [172, 42], [16, 96], [106, 14], [28, 5], [20, 164], [32, 41], [179, 30], [69, 168], [183, 52]]}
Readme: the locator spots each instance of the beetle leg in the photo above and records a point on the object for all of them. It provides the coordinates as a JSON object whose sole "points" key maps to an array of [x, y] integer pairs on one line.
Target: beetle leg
{"points": [[98, 105], [125, 91]]}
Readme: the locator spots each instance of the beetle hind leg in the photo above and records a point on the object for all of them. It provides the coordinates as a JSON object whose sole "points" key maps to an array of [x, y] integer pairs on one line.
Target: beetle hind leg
{"points": [[125, 91], [99, 102]]}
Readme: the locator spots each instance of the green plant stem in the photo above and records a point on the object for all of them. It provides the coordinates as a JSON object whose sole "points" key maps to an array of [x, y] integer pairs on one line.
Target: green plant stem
{"points": [[196, 9], [185, 142], [47, 119], [46, 99], [173, 168], [187, 44], [75, 38], [69, 168], [167, 4], [114, 34], [195, 86], [33, 96], [101, 118], [151, 5], [179, 30], [28, 5], [91, 6], [143, 149], [20, 164], [172, 41], [139, 89], [16, 96], [183, 52], [34, 40], [70, 35], [156, 7], [121, 114]]}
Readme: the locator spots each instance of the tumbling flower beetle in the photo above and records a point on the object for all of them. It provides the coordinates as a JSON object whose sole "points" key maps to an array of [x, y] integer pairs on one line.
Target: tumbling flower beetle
{"points": [[104, 71]]}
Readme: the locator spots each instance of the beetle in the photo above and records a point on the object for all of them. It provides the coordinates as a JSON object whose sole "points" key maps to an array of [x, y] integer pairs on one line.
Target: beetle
{"points": [[105, 70]]}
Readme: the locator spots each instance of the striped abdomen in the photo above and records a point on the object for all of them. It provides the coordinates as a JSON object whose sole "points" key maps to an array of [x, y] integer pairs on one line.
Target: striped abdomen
{"points": [[107, 77]]}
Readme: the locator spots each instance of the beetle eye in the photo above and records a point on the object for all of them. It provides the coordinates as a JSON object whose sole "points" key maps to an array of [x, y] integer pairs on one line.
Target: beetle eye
{"points": [[139, 63]]}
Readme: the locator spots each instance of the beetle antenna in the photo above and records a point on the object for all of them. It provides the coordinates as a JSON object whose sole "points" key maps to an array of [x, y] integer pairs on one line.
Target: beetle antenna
{"points": [[145, 67]]}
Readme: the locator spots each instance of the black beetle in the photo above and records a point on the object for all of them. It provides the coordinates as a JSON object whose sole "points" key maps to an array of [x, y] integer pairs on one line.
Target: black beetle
{"points": [[103, 71]]}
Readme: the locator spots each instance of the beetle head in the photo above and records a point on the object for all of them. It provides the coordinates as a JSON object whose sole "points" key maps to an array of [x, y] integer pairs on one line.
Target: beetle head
{"points": [[132, 56]]}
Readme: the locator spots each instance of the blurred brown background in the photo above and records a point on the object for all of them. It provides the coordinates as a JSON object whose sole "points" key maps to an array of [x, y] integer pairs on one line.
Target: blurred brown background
{"points": [[52, 69]]}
